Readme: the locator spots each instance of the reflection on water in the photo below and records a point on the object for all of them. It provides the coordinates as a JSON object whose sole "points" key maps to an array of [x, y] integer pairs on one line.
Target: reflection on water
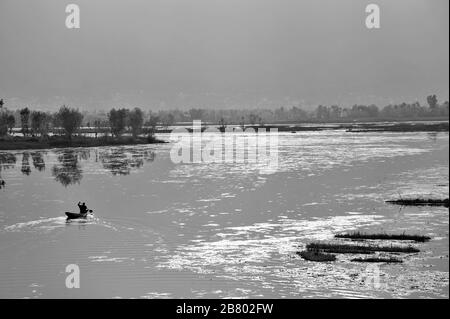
{"points": [[221, 230], [120, 160], [432, 136], [68, 167], [38, 160], [7, 161], [25, 168], [68, 171]]}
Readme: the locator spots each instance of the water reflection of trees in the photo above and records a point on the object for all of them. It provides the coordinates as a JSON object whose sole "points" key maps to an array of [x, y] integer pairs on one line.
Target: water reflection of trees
{"points": [[7, 161], [120, 161], [26, 168], [38, 161], [68, 171], [432, 136]]}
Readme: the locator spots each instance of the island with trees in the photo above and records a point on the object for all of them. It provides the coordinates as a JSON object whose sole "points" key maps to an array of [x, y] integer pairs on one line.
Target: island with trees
{"points": [[27, 129], [68, 127]]}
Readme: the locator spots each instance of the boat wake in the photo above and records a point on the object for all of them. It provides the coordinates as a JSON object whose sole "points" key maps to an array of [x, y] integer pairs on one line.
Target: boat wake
{"points": [[53, 223], [46, 224]]}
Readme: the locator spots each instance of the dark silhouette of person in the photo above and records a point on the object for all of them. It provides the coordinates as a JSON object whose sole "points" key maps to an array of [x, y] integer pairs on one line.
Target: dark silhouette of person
{"points": [[83, 208], [2, 183]]}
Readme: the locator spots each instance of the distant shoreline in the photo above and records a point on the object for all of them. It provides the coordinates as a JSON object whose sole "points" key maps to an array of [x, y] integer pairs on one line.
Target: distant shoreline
{"points": [[355, 120], [440, 125], [24, 143], [30, 143], [354, 128]]}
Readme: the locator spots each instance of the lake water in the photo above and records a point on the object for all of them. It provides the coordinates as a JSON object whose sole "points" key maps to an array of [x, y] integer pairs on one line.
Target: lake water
{"points": [[222, 230]]}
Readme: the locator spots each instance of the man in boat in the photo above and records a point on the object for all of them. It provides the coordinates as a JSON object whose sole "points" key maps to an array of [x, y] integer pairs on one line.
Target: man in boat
{"points": [[83, 208]]}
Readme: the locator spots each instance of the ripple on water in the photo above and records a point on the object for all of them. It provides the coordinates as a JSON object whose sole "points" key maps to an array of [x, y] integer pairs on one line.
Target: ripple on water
{"points": [[263, 254], [53, 223]]}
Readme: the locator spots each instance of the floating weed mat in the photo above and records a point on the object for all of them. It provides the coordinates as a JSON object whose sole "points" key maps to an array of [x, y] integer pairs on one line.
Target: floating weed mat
{"points": [[359, 249], [419, 202], [382, 236], [377, 260], [315, 255]]}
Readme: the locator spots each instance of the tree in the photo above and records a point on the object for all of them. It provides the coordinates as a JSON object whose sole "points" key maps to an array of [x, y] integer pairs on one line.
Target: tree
{"points": [[322, 112], [252, 119], [117, 121], [39, 122], [373, 110], [136, 120], [242, 123], [7, 120], [167, 120], [222, 124], [445, 108], [98, 127], [297, 114], [432, 101], [24, 120], [260, 120], [69, 119], [151, 124], [11, 123], [3, 123], [280, 114], [335, 112], [196, 114]]}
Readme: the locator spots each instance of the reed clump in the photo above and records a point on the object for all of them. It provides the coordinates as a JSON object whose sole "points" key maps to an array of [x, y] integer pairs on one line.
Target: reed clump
{"points": [[383, 236], [377, 260], [419, 202], [359, 249], [316, 255]]}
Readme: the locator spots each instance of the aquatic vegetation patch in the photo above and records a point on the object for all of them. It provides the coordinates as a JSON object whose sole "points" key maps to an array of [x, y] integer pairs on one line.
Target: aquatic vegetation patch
{"points": [[315, 255], [377, 260], [383, 236], [359, 249], [419, 202], [23, 143]]}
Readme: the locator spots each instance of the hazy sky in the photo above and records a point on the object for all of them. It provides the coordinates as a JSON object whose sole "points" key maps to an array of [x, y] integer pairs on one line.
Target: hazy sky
{"points": [[222, 53]]}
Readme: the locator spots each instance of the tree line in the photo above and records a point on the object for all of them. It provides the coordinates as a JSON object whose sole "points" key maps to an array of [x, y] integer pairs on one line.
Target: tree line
{"points": [[66, 121], [293, 114]]}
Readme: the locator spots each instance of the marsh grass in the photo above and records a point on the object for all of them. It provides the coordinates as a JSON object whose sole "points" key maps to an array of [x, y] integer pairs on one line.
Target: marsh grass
{"points": [[419, 202], [383, 236], [359, 249], [398, 127], [315, 255], [20, 143], [377, 260]]}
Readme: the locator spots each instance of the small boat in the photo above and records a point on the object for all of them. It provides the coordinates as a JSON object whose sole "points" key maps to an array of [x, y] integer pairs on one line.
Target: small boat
{"points": [[78, 215]]}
